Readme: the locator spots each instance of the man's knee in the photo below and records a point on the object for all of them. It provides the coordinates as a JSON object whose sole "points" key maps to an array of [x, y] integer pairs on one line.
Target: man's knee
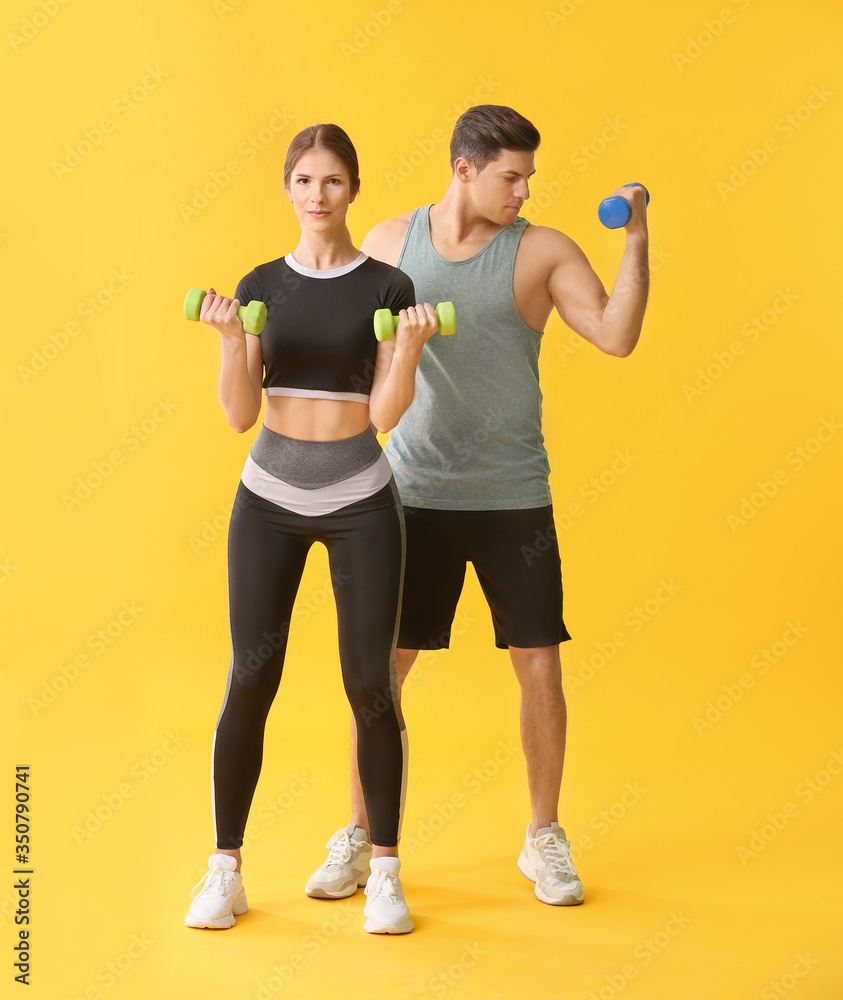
{"points": [[537, 668]]}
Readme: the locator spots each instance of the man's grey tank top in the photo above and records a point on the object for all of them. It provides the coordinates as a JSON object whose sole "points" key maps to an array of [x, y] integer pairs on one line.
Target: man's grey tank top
{"points": [[471, 439]]}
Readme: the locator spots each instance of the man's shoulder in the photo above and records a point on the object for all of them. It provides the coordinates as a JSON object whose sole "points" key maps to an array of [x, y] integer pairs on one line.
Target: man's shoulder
{"points": [[545, 238], [384, 241], [391, 228], [546, 246]]}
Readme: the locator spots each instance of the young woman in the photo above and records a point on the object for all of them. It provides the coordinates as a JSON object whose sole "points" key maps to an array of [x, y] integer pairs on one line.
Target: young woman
{"points": [[315, 473]]}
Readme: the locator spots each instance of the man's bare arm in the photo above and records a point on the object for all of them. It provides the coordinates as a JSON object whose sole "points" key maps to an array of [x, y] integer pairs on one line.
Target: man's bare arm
{"points": [[610, 322]]}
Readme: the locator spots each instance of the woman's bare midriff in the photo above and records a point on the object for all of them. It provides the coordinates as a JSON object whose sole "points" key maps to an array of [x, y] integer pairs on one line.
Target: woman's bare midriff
{"points": [[315, 419]]}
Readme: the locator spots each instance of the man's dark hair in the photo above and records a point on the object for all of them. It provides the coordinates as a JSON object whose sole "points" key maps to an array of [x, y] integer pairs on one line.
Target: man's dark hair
{"points": [[483, 131]]}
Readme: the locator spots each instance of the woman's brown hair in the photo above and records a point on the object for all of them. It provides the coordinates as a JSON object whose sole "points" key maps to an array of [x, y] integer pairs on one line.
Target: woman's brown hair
{"points": [[330, 137]]}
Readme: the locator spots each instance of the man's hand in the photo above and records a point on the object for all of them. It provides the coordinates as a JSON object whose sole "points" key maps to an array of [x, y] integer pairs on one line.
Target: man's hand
{"points": [[634, 195]]}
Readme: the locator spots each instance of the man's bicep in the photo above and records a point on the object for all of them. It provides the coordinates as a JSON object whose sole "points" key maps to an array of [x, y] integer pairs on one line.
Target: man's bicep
{"points": [[578, 294]]}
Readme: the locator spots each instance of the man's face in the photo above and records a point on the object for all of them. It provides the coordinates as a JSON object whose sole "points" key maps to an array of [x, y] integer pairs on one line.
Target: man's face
{"points": [[501, 189]]}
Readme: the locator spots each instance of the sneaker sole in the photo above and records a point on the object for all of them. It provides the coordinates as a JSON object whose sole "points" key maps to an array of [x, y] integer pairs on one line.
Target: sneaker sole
{"points": [[342, 893], [527, 870], [221, 923], [403, 928]]}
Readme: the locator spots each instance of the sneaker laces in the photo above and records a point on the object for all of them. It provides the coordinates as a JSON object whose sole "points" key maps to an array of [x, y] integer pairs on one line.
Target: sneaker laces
{"points": [[555, 853], [340, 849], [382, 884], [214, 881]]}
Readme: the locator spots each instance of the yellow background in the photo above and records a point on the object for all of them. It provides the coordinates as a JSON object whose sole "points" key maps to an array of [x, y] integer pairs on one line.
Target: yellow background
{"points": [[686, 94]]}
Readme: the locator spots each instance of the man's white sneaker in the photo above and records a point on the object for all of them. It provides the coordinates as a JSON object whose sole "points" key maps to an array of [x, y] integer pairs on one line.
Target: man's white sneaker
{"points": [[546, 860], [220, 897], [347, 866], [385, 909]]}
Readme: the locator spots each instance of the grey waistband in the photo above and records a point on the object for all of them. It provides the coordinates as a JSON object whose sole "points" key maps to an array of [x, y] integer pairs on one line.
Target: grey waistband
{"points": [[310, 465]]}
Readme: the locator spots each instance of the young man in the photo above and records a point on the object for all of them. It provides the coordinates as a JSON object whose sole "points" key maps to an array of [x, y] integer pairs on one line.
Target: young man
{"points": [[468, 455]]}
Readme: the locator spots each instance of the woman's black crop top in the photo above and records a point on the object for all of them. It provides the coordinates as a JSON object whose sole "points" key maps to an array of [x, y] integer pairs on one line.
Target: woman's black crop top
{"points": [[319, 332]]}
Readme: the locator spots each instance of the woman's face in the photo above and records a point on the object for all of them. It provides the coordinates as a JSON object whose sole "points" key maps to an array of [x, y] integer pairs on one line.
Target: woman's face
{"points": [[320, 191]]}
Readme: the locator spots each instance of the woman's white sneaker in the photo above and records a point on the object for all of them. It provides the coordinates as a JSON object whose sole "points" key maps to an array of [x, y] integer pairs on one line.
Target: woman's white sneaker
{"points": [[347, 866], [220, 895], [546, 860], [385, 909]]}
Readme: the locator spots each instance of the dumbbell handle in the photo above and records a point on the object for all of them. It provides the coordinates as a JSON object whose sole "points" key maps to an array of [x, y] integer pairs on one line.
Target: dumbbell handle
{"points": [[252, 316], [614, 212]]}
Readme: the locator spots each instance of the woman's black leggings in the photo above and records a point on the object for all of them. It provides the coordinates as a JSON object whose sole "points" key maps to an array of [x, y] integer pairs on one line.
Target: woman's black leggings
{"points": [[267, 548]]}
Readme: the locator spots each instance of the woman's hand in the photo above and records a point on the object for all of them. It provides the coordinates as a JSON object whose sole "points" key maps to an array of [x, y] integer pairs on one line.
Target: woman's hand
{"points": [[221, 313], [394, 383], [417, 325]]}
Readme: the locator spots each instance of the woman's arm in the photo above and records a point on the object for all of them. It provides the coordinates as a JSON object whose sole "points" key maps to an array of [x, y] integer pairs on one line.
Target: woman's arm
{"points": [[393, 385], [241, 369]]}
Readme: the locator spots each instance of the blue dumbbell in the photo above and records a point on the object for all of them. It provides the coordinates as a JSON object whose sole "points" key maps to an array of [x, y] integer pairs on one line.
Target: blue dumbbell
{"points": [[614, 212]]}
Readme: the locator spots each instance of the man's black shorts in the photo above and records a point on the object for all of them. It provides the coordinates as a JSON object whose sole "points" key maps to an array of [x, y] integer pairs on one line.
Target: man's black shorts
{"points": [[516, 557]]}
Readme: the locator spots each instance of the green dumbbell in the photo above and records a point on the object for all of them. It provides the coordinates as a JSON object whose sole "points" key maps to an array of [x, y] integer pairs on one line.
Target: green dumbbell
{"points": [[386, 324], [252, 316]]}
